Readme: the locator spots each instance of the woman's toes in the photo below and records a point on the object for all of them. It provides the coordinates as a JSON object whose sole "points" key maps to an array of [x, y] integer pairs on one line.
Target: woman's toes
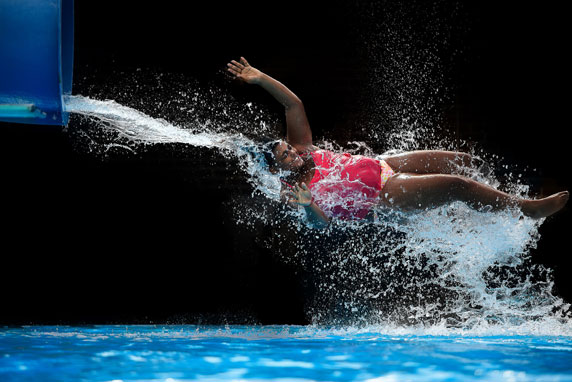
{"points": [[563, 196], [542, 208]]}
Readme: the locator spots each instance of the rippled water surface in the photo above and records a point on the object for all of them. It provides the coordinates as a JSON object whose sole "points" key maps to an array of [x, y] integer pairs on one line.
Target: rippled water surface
{"points": [[275, 353]]}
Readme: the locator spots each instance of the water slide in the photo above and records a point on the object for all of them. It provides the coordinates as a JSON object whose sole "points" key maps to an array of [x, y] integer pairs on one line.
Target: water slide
{"points": [[36, 60]]}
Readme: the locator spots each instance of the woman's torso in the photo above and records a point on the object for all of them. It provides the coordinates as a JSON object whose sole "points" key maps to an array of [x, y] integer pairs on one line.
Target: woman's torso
{"points": [[343, 185]]}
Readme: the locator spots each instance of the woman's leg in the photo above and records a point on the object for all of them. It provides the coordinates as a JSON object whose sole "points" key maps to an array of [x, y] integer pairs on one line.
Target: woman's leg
{"points": [[429, 162], [410, 192]]}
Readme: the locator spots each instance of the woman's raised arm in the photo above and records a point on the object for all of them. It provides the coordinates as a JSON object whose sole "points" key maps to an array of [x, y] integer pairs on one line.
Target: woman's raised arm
{"points": [[298, 132]]}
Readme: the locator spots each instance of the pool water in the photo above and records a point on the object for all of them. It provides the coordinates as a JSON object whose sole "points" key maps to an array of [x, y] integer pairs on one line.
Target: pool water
{"points": [[275, 353]]}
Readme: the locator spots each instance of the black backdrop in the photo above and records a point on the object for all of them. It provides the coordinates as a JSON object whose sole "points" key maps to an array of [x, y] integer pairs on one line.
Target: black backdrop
{"points": [[85, 240]]}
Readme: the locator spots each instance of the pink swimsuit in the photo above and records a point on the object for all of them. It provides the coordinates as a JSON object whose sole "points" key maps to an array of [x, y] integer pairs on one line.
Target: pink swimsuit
{"points": [[347, 186]]}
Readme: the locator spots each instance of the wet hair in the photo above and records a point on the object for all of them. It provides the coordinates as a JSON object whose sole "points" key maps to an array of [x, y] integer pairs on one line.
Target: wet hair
{"points": [[268, 145]]}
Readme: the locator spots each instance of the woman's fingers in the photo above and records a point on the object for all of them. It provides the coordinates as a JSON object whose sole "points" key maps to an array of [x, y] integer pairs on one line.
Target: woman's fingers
{"points": [[234, 67], [299, 194], [292, 194], [295, 195], [303, 188], [233, 72], [237, 64]]}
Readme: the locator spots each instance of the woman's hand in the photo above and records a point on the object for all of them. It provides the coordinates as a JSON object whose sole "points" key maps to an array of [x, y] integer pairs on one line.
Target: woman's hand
{"points": [[243, 71], [300, 195]]}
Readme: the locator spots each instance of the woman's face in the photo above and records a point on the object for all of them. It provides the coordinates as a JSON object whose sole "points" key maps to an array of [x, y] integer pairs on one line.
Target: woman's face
{"points": [[287, 157]]}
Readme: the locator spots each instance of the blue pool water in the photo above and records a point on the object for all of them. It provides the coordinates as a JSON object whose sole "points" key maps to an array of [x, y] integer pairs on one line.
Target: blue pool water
{"points": [[275, 353]]}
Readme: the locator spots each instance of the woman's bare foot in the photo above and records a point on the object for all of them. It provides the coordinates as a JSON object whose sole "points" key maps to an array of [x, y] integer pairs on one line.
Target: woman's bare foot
{"points": [[544, 207]]}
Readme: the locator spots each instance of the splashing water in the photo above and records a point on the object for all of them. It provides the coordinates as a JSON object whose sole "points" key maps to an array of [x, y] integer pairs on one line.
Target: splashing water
{"points": [[441, 270], [135, 127]]}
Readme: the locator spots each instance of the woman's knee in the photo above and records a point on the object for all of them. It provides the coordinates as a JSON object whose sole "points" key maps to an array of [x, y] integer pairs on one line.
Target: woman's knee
{"points": [[455, 159], [459, 185], [465, 159]]}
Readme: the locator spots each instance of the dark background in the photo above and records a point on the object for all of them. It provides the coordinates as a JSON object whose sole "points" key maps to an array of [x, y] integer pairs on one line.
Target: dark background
{"points": [[149, 238]]}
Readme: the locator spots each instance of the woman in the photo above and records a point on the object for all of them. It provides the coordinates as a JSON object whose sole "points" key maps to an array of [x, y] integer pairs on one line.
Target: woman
{"points": [[330, 185]]}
